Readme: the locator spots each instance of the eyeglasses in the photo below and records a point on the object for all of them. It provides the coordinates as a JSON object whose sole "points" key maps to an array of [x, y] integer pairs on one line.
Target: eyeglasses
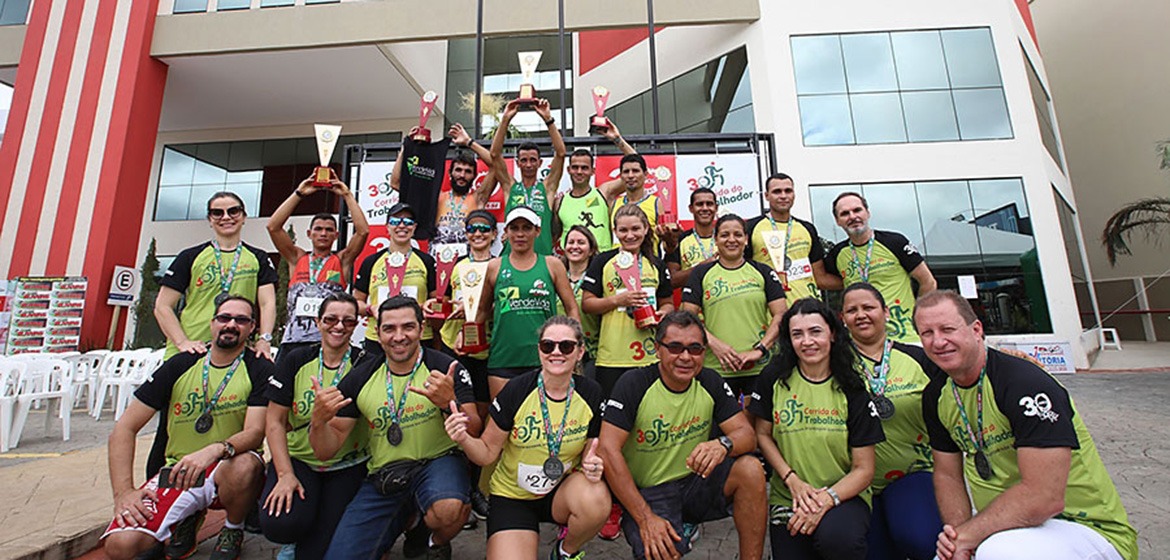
{"points": [[479, 228], [242, 320], [566, 346], [330, 320], [677, 348], [218, 213], [399, 221]]}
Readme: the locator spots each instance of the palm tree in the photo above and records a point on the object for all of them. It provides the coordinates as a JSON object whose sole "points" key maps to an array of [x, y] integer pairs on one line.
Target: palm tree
{"points": [[1148, 216]]}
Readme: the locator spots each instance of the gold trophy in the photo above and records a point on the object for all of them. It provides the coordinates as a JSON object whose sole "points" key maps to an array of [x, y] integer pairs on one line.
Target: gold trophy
{"points": [[474, 332], [529, 60], [326, 141], [424, 112], [599, 124]]}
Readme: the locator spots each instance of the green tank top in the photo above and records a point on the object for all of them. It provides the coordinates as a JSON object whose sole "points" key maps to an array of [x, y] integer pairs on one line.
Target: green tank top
{"points": [[535, 199], [524, 300], [590, 211]]}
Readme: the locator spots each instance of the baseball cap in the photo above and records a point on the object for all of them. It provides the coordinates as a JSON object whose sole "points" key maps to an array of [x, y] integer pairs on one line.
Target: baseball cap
{"points": [[400, 207], [522, 213], [483, 215]]}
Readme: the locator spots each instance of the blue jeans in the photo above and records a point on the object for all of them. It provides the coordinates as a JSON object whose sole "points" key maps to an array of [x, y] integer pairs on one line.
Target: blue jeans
{"points": [[905, 521], [372, 522]]}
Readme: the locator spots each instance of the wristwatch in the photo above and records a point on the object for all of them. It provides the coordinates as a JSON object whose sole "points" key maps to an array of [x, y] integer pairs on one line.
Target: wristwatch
{"points": [[229, 450], [550, 121], [266, 337], [760, 346], [726, 443]]}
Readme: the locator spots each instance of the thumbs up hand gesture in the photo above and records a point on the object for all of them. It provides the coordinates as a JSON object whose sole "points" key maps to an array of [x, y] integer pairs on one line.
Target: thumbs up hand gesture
{"points": [[592, 464], [456, 425], [439, 387]]}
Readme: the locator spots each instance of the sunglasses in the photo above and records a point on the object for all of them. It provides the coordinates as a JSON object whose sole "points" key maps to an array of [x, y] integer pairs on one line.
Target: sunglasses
{"points": [[330, 320], [242, 320], [479, 228], [399, 221], [218, 213], [677, 348], [566, 346]]}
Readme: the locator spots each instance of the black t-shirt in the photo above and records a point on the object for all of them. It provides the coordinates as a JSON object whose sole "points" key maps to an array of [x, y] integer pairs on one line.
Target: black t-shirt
{"points": [[420, 181]]}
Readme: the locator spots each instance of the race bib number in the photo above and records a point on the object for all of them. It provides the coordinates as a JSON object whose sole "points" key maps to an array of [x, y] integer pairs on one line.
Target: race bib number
{"points": [[308, 306], [384, 293], [410, 291], [800, 270], [531, 478]]}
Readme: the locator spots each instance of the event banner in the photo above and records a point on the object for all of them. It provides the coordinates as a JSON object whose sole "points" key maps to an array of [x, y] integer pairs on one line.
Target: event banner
{"points": [[44, 314], [735, 178]]}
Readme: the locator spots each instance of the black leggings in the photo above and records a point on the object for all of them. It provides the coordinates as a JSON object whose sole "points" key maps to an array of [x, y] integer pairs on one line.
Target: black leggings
{"points": [[312, 520], [839, 536]]}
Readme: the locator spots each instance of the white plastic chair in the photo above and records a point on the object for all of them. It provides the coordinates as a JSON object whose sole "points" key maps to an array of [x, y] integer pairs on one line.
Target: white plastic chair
{"points": [[137, 376], [10, 373], [48, 380], [117, 366], [86, 368]]}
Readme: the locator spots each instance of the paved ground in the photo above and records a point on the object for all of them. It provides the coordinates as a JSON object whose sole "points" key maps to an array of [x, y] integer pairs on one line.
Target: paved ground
{"points": [[49, 499]]}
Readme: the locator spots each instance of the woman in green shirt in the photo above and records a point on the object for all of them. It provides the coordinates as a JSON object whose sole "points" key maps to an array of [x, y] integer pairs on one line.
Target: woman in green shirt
{"points": [[816, 428], [905, 521]]}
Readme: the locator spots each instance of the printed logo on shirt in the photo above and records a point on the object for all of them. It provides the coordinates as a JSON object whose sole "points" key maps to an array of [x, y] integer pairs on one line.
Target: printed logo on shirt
{"points": [[1039, 406], [531, 429], [665, 433], [910, 249], [793, 411]]}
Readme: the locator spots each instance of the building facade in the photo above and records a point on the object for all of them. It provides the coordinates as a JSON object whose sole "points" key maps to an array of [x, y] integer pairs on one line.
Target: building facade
{"points": [[127, 115]]}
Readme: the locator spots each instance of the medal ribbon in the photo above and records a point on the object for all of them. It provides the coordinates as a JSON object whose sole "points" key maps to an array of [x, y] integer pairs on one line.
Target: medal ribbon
{"points": [[225, 280], [554, 447], [209, 406], [321, 368], [868, 256], [976, 441], [394, 410], [708, 251], [877, 378], [787, 236], [394, 274], [316, 264]]}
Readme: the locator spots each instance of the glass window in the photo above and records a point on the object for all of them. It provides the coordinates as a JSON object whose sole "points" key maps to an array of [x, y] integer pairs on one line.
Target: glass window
{"points": [[224, 5], [172, 203], [930, 116], [976, 227], [970, 57], [1043, 105], [869, 62], [818, 64], [920, 62], [877, 118], [825, 120], [177, 168], [982, 114], [14, 12], [948, 82], [274, 3], [189, 6]]}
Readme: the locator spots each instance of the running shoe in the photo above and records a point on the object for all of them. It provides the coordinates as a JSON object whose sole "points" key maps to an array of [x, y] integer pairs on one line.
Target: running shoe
{"points": [[556, 553], [613, 526], [185, 536], [228, 547], [287, 552], [479, 504], [439, 552], [692, 533], [415, 543]]}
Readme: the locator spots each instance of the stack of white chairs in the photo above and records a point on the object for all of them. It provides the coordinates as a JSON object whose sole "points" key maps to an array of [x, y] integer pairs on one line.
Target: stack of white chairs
{"points": [[11, 372], [121, 373], [43, 379], [86, 368]]}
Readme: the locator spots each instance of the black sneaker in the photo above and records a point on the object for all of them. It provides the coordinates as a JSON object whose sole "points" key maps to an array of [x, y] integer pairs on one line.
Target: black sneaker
{"points": [[417, 538], [439, 552], [228, 547], [471, 523], [185, 536], [153, 553], [479, 505]]}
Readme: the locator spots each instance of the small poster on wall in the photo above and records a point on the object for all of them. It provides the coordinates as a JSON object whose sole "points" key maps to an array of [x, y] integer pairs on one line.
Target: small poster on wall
{"points": [[45, 314]]}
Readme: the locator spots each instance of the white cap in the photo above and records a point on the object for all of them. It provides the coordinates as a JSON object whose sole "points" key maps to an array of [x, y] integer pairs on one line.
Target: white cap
{"points": [[522, 213]]}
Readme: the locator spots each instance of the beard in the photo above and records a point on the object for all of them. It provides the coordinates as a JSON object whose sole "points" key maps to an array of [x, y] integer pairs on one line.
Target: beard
{"points": [[228, 339], [460, 188]]}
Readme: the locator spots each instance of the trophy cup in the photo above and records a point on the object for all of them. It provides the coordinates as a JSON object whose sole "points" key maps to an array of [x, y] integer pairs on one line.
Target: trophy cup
{"points": [[326, 141], [441, 307], [599, 124], [474, 332], [631, 276], [424, 112], [529, 60]]}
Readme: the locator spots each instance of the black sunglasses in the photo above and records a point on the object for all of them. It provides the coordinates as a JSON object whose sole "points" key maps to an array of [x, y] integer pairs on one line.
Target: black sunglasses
{"points": [[566, 346], [330, 320], [234, 211], [479, 228], [676, 348], [242, 320]]}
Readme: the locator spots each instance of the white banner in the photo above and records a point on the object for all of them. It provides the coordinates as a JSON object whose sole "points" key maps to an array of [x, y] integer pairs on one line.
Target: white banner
{"points": [[735, 178]]}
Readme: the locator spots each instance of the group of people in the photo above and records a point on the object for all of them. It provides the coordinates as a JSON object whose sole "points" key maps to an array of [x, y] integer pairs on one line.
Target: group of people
{"points": [[563, 386]]}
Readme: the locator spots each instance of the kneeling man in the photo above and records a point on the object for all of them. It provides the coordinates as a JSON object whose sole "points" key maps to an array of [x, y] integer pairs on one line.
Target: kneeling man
{"points": [[1012, 433], [675, 442], [215, 405]]}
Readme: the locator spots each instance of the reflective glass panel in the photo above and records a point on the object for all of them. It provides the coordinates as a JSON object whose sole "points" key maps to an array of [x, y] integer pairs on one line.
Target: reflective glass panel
{"points": [[172, 203], [930, 116], [982, 114], [920, 62], [869, 62], [821, 202], [877, 118], [893, 206], [818, 64], [177, 168], [187, 6], [825, 120], [224, 5], [949, 238], [970, 57]]}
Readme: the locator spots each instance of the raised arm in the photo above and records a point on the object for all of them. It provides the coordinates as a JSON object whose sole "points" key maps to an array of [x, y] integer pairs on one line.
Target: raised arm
{"points": [[556, 167], [460, 138], [361, 227], [280, 238], [497, 151], [615, 187]]}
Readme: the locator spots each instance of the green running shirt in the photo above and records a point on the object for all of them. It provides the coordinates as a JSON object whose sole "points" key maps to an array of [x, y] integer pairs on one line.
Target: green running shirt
{"points": [[889, 271], [535, 198], [621, 343], [290, 387], [1024, 406], [176, 388], [665, 426], [418, 280], [523, 301], [516, 410], [591, 211], [692, 250], [816, 426], [804, 249], [907, 446], [423, 434], [735, 306], [195, 274]]}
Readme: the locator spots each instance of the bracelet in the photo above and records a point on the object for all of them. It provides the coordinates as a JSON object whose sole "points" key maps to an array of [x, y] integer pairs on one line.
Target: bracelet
{"points": [[298, 193], [550, 122], [833, 494], [787, 474]]}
